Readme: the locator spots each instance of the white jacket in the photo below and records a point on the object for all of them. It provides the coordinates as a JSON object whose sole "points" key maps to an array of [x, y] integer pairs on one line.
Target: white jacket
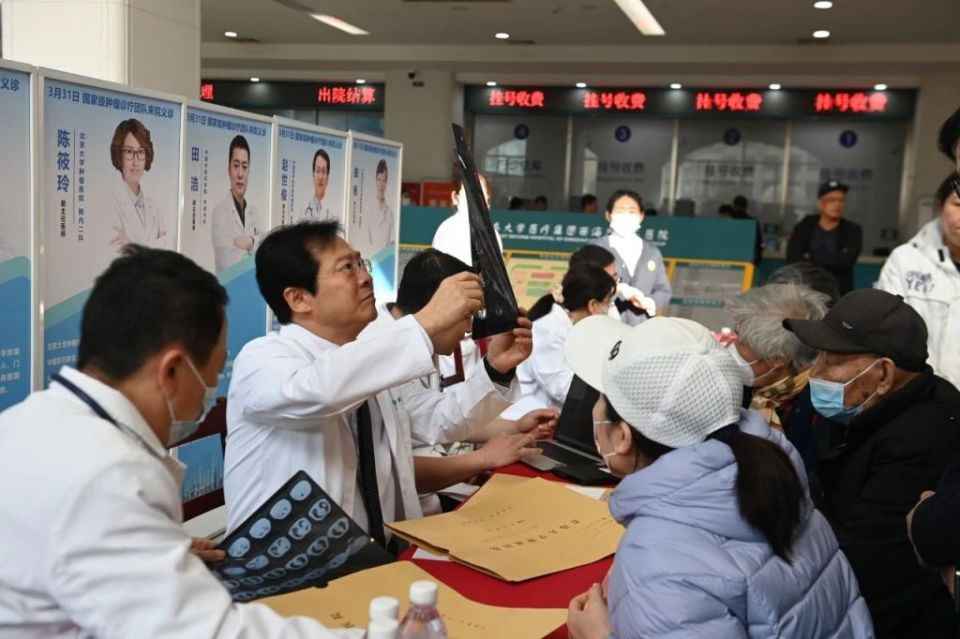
{"points": [[90, 524], [148, 230], [923, 273], [463, 406], [453, 237], [545, 376], [290, 405], [227, 227]]}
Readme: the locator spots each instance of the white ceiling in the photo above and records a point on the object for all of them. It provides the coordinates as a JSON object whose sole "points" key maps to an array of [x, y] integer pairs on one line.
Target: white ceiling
{"points": [[893, 41], [583, 22]]}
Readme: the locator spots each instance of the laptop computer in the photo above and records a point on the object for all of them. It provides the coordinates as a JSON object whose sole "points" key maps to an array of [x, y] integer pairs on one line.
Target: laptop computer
{"points": [[573, 443]]}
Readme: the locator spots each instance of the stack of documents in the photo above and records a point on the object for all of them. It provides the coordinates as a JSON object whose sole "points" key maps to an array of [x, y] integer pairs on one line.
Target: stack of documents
{"points": [[517, 529]]}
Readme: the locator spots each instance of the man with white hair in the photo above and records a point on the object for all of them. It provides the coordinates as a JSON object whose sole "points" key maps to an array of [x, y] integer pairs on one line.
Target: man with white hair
{"points": [[774, 363]]}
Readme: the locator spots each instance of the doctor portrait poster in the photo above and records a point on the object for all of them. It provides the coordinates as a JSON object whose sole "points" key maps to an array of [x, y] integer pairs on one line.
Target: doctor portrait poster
{"points": [[312, 175], [374, 222], [225, 212], [15, 238], [110, 167]]}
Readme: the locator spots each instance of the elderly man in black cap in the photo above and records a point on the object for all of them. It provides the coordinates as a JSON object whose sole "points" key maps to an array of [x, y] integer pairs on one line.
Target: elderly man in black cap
{"points": [[893, 428], [826, 238]]}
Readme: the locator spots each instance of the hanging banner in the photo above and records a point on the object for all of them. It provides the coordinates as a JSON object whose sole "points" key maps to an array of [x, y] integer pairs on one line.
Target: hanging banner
{"points": [[110, 161], [16, 220], [374, 224], [312, 174]]}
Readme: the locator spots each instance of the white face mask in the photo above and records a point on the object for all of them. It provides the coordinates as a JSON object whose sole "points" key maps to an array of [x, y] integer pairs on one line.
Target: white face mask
{"points": [[180, 429], [625, 224], [746, 368], [596, 442]]}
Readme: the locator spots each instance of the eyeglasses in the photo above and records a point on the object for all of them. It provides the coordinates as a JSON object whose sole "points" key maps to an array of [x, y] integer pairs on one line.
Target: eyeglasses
{"points": [[956, 186], [351, 268], [130, 153]]}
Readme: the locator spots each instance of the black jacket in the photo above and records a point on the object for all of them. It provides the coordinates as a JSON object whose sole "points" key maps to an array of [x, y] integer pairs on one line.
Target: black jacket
{"points": [[866, 486], [936, 522], [840, 264]]}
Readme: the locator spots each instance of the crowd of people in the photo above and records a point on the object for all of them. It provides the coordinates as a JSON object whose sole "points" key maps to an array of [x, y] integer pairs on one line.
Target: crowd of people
{"points": [[797, 477]]}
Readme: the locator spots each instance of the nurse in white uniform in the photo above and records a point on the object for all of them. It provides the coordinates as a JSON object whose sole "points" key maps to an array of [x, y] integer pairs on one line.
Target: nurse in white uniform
{"points": [[137, 219], [90, 502], [237, 226], [545, 377]]}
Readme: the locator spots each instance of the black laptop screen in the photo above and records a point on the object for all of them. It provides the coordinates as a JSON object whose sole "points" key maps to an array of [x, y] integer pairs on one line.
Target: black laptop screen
{"points": [[575, 426]]}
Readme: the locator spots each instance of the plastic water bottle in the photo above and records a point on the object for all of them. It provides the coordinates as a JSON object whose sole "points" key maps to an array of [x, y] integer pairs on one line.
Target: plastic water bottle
{"points": [[384, 608], [423, 620], [383, 629]]}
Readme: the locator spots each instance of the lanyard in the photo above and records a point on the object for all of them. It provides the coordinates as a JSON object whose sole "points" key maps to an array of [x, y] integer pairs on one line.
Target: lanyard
{"points": [[100, 411], [85, 398]]}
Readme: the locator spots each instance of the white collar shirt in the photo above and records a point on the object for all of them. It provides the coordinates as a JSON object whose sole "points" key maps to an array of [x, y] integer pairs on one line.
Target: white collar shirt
{"points": [[91, 527]]}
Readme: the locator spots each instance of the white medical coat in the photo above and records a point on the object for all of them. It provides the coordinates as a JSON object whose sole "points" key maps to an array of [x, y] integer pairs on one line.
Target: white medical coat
{"points": [[545, 376], [148, 230], [227, 227], [90, 524], [380, 224], [317, 212], [291, 402], [472, 403]]}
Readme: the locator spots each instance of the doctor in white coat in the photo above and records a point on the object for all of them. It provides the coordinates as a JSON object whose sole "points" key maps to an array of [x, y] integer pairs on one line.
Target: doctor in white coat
{"points": [[237, 227], [314, 397], [137, 219], [477, 401], [545, 377], [90, 502], [317, 211]]}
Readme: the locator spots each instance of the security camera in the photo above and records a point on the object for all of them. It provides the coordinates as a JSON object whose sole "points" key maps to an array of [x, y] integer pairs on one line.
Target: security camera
{"points": [[411, 74]]}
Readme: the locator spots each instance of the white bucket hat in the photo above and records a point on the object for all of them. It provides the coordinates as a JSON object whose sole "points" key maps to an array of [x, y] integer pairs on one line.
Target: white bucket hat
{"points": [[667, 377]]}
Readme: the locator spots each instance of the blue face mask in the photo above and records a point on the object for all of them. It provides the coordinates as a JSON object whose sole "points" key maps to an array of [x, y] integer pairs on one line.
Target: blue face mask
{"points": [[828, 396], [180, 429]]}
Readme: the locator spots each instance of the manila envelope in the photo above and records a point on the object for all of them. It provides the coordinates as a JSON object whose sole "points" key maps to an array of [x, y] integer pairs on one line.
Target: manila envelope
{"points": [[345, 602], [519, 530]]}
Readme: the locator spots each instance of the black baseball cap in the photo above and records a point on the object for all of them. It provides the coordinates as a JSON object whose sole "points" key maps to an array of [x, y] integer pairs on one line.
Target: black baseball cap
{"points": [[868, 321], [831, 185]]}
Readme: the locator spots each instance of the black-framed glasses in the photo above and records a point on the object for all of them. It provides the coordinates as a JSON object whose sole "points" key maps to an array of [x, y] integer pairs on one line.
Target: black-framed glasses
{"points": [[956, 186], [130, 153], [351, 268]]}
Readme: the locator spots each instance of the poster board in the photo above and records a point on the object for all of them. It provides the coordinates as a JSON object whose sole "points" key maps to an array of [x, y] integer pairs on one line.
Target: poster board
{"points": [[226, 161], [109, 175], [373, 227], [17, 233], [312, 165]]}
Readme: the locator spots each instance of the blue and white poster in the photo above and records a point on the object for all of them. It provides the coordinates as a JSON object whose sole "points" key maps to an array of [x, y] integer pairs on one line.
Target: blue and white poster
{"points": [[312, 175], [226, 203], [374, 225], [16, 220], [110, 167]]}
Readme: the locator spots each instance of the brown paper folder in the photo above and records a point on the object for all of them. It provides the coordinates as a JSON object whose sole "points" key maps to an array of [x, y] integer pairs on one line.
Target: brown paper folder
{"points": [[519, 530], [344, 603]]}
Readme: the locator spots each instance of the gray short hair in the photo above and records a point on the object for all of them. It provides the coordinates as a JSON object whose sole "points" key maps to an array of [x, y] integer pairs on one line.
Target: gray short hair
{"points": [[758, 316]]}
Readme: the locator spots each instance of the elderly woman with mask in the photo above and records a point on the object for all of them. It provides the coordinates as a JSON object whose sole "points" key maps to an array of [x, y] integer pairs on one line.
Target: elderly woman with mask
{"points": [[773, 363]]}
